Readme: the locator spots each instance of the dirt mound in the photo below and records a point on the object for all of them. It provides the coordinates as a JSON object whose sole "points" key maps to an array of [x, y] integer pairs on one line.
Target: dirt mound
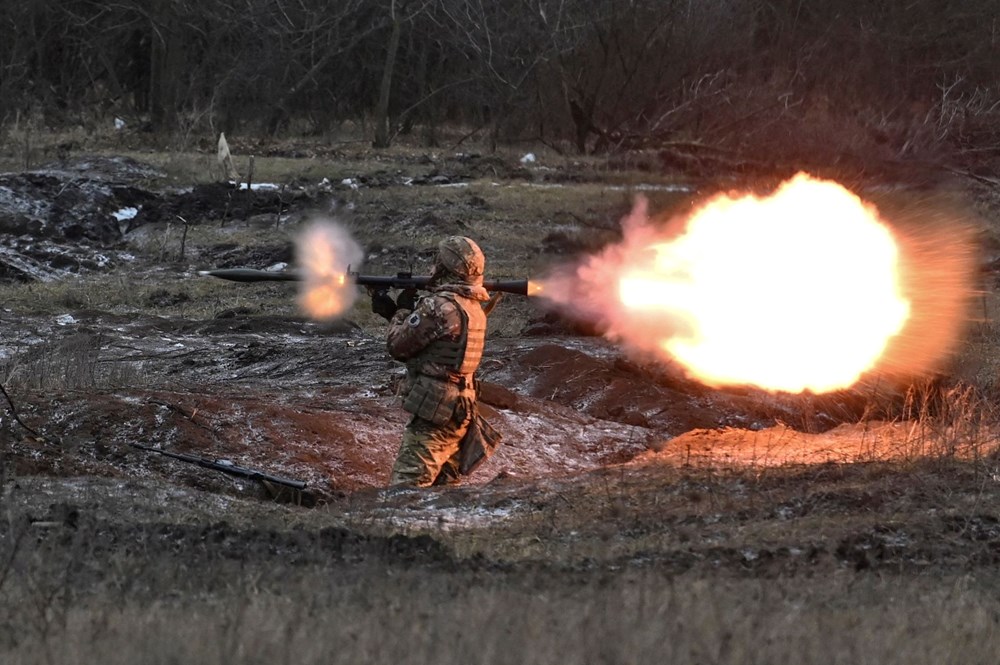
{"points": [[223, 201], [591, 377], [58, 206], [115, 170], [67, 218]]}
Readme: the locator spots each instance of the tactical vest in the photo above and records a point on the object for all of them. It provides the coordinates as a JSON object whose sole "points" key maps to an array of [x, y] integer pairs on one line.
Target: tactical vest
{"points": [[461, 355], [434, 398]]}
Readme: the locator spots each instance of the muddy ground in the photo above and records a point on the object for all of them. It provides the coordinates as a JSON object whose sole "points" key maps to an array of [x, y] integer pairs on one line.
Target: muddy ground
{"points": [[615, 470]]}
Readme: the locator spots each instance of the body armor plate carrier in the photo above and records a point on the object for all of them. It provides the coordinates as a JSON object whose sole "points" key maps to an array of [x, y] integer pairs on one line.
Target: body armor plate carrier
{"points": [[435, 398]]}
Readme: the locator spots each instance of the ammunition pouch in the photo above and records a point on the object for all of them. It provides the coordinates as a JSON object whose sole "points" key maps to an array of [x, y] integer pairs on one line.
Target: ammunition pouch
{"points": [[478, 444], [433, 399]]}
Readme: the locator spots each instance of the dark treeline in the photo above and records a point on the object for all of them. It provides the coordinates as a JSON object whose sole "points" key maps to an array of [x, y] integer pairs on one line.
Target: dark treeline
{"points": [[902, 77]]}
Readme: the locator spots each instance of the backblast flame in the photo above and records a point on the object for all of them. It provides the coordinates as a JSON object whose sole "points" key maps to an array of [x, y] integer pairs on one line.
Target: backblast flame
{"points": [[800, 290], [324, 252]]}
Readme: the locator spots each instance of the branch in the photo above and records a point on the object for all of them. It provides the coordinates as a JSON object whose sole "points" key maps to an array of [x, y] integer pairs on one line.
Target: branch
{"points": [[13, 411]]}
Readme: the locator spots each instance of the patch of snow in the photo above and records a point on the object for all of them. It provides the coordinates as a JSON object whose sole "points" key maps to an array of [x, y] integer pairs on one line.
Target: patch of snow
{"points": [[529, 158], [350, 182], [453, 184], [125, 213], [261, 186], [65, 320], [277, 267], [119, 124]]}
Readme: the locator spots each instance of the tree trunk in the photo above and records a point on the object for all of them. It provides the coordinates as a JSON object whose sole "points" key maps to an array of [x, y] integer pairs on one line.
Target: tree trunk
{"points": [[167, 65], [382, 138]]}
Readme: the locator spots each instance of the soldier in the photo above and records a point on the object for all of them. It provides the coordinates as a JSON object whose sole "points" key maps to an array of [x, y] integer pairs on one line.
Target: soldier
{"points": [[441, 338]]}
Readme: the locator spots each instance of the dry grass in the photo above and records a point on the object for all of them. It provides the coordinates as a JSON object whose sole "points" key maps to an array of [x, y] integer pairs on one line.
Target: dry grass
{"points": [[72, 363], [373, 615], [699, 583]]}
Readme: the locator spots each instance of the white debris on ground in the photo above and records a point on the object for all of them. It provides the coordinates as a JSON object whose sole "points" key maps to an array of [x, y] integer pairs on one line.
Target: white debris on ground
{"points": [[125, 214], [65, 320], [350, 182], [529, 158], [261, 186]]}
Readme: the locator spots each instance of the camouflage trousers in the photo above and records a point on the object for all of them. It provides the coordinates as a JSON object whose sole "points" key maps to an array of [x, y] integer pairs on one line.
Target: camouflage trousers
{"points": [[428, 454]]}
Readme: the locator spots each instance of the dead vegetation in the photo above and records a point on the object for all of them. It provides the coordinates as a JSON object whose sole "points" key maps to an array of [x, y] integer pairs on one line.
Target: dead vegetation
{"points": [[632, 516]]}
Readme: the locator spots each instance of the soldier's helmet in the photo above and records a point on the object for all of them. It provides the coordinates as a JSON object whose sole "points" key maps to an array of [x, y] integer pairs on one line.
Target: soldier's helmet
{"points": [[461, 257]]}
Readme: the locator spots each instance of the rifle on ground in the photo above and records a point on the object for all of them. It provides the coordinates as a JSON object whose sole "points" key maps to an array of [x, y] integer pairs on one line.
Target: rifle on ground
{"points": [[401, 280], [225, 466]]}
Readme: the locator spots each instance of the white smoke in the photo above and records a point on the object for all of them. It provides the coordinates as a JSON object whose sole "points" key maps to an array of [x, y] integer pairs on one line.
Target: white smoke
{"points": [[324, 252]]}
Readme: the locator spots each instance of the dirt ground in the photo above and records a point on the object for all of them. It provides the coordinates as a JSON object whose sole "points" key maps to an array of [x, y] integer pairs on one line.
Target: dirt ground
{"points": [[616, 473]]}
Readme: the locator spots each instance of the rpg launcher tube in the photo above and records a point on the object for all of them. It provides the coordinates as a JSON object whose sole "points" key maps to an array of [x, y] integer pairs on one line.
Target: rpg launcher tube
{"points": [[401, 280], [251, 275]]}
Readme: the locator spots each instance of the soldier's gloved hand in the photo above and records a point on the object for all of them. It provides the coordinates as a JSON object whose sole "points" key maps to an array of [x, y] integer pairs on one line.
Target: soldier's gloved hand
{"points": [[383, 305], [407, 299]]}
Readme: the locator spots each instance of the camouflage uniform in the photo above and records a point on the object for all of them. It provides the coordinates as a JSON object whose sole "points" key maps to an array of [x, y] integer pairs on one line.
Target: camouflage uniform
{"points": [[441, 341]]}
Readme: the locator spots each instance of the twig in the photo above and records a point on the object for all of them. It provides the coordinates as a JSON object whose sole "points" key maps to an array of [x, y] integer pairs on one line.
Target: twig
{"points": [[184, 235], [13, 411], [975, 176]]}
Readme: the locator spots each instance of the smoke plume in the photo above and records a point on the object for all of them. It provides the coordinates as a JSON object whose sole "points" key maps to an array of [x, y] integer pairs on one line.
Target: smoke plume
{"points": [[324, 251]]}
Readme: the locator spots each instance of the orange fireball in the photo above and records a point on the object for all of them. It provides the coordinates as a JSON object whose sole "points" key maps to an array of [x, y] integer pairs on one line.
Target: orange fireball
{"points": [[796, 291]]}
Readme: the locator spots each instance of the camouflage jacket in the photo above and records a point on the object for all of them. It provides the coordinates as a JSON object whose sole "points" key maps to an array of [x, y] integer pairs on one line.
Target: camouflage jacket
{"points": [[443, 337], [441, 342]]}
